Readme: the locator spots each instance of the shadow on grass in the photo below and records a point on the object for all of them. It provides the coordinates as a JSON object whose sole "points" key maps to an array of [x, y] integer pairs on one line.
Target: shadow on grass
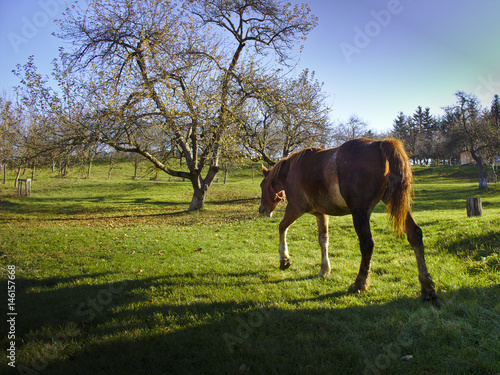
{"points": [[55, 209], [85, 209], [115, 328], [480, 251], [443, 199], [234, 201], [474, 246]]}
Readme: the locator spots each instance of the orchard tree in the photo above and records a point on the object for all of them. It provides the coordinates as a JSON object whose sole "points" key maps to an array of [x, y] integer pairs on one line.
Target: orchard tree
{"points": [[157, 77], [352, 128], [19, 135], [473, 130], [493, 116], [283, 115], [301, 109], [10, 133]]}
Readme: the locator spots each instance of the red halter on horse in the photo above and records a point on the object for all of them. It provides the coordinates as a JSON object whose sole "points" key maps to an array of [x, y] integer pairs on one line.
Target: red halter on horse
{"points": [[278, 196], [350, 179]]}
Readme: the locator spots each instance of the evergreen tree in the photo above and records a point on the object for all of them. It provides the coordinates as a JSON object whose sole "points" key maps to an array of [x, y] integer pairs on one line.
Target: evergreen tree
{"points": [[495, 110], [418, 118], [400, 127]]}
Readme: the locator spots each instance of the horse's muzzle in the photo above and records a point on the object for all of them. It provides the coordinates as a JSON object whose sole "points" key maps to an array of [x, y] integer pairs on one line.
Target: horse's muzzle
{"points": [[263, 211]]}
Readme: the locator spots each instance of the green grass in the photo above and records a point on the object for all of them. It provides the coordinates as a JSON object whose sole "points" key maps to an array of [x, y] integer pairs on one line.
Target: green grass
{"points": [[114, 277]]}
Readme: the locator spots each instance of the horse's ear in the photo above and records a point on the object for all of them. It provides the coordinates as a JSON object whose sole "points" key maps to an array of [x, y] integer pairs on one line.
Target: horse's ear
{"points": [[265, 171]]}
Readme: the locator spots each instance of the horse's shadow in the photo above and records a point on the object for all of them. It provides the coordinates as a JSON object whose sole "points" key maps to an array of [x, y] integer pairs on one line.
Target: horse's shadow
{"points": [[129, 333]]}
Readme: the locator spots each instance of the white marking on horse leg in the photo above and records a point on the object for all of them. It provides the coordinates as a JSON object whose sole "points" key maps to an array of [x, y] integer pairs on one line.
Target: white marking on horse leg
{"points": [[283, 249], [322, 221], [325, 262]]}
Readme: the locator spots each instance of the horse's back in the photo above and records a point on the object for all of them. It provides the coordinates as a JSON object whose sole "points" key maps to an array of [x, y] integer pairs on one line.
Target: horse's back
{"points": [[339, 180], [361, 171]]}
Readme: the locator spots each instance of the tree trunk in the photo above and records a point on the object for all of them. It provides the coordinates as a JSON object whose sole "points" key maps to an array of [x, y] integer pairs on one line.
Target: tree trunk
{"points": [[198, 201], [494, 170], [64, 168], [17, 176], [136, 165], [474, 207], [483, 180], [110, 166], [200, 188], [91, 159]]}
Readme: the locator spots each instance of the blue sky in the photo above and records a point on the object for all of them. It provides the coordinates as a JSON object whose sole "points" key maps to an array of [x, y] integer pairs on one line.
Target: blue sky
{"points": [[421, 53], [375, 57]]}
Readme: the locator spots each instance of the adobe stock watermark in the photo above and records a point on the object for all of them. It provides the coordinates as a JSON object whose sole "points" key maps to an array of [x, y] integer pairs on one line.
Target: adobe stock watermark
{"points": [[418, 326], [487, 87], [31, 25], [364, 36], [51, 350], [86, 312], [245, 328]]}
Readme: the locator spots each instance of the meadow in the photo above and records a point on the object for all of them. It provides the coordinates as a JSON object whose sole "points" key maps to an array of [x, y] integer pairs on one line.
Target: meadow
{"points": [[113, 276]]}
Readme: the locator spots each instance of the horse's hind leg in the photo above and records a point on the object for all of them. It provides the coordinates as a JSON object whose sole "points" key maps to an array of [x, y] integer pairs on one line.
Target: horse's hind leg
{"points": [[323, 243], [414, 235], [362, 225]]}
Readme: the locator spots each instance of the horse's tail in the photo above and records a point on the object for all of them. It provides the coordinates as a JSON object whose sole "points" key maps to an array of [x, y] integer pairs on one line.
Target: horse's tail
{"points": [[399, 182]]}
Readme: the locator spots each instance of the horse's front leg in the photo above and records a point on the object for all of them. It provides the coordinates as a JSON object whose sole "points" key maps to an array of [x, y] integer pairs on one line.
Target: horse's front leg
{"points": [[291, 215], [322, 221], [283, 249]]}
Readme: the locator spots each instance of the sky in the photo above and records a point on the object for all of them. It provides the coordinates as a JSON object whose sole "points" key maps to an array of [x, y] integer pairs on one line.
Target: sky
{"points": [[375, 57]]}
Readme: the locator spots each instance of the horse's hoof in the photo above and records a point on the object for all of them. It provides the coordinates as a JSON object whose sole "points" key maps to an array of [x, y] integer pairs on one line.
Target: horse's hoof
{"points": [[430, 296], [324, 273], [353, 289], [284, 264], [356, 289]]}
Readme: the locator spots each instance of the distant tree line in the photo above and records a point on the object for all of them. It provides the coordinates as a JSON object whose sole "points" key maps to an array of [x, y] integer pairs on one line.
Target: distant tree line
{"points": [[465, 126]]}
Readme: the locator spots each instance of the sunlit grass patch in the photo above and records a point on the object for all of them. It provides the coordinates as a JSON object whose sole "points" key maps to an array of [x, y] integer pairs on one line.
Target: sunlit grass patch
{"points": [[114, 276]]}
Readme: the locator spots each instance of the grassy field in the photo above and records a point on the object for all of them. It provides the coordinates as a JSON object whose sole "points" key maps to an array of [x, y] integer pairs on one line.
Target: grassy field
{"points": [[112, 276]]}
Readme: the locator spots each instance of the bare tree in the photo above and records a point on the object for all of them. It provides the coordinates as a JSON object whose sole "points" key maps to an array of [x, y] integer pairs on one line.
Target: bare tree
{"points": [[10, 133], [285, 114], [156, 77], [473, 130], [352, 128]]}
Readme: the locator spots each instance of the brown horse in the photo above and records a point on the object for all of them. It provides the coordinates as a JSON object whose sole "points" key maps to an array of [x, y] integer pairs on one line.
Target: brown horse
{"points": [[350, 179]]}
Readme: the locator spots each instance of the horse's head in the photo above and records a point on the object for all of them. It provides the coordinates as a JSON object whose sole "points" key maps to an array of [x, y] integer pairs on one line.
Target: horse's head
{"points": [[269, 199]]}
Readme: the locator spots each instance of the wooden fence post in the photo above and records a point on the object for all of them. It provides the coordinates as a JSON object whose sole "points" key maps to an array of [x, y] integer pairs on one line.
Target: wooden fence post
{"points": [[27, 186], [474, 207]]}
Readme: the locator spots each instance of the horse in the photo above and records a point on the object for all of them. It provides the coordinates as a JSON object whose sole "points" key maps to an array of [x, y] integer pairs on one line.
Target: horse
{"points": [[349, 179]]}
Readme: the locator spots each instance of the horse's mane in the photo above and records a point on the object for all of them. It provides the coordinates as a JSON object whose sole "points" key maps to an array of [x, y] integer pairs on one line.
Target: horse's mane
{"points": [[289, 161]]}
